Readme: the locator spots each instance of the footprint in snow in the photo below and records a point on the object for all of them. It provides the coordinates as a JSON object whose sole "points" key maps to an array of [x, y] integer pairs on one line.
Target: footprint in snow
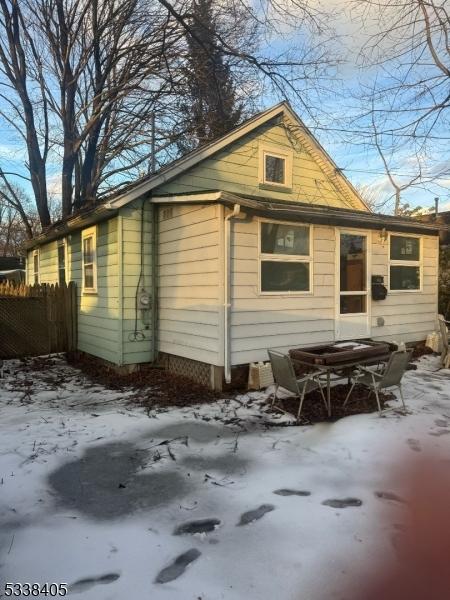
{"points": [[178, 566], [439, 432], [255, 514], [441, 422], [289, 492], [390, 496], [342, 502], [82, 585], [199, 526], [414, 444]]}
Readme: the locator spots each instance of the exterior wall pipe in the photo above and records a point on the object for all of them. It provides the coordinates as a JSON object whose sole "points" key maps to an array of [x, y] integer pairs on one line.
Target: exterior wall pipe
{"points": [[227, 295]]}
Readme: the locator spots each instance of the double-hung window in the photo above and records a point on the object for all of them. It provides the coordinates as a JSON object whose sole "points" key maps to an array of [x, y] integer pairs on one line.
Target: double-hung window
{"points": [[285, 258], [36, 266], [89, 252], [61, 262], [405, 263]]}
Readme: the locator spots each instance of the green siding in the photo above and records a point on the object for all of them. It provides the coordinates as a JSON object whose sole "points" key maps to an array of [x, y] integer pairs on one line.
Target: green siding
{"points": [[136, 350], [98, 314], [236, 169]]}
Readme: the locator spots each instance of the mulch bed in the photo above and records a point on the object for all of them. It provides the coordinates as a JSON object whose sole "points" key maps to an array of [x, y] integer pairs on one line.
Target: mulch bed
{"points": [[155, 387], [314, 410]]}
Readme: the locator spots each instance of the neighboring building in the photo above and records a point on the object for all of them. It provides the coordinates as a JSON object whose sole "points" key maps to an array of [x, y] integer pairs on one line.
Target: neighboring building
{"points": [[254, 241], [12, 268]]}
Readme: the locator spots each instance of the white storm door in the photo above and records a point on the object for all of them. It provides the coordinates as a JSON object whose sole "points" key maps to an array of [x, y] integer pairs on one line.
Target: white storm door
{"points": [[352, 314]]}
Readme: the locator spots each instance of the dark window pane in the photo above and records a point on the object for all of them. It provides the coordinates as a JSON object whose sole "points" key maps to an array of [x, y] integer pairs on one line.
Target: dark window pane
{"points": [[405, 278], [274, 169], [62, 276], [284, 239], [353, 263], [61, 257], [88, 250], [353, 304], [89, 276], [284, 276], [405, 248]]}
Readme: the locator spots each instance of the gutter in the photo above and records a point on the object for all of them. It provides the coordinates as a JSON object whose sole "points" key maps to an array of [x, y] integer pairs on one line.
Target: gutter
{"points": [[227, 295]]}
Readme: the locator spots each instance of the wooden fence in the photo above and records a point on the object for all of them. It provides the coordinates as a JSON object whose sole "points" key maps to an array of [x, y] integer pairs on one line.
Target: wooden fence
{"points": [[37, 319]]}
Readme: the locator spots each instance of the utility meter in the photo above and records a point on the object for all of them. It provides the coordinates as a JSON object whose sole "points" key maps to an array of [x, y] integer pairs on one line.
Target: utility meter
{"points": [[144, 300]]}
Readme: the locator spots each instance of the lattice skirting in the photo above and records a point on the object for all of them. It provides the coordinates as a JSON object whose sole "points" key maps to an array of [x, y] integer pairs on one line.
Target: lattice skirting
{"points": [[199, 372]]}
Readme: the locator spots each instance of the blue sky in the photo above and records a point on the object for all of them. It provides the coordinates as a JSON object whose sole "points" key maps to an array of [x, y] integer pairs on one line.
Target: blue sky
{"points": [[336, 101]]}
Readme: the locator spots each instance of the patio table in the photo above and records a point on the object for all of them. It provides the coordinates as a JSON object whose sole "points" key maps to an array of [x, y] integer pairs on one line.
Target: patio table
{"points": [[342, 370]]}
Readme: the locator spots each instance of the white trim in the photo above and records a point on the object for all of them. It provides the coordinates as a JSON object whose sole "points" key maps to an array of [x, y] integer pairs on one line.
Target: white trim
{"points": [[180, 198], [367, 292], [307, 258], [87, 233], [277, 152], [405, 263], [38, 272]]}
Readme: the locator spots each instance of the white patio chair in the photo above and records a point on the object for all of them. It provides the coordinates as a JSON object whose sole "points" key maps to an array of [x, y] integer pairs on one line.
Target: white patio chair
{"points": [[389, 377], [285, 377], [445, 355]]}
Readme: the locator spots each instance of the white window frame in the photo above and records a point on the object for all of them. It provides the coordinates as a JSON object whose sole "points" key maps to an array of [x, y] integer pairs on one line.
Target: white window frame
{"points": [[87, 233], [286, 258], [406, 263], [59, 243], [277, 152], [38, 272]]}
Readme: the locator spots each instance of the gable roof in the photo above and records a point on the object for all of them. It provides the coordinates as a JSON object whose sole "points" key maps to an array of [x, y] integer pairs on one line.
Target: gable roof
{"points": [[283, 109]]}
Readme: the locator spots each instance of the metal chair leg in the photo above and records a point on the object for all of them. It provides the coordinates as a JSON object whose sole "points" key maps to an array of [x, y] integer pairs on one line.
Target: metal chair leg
{"points": [[274, 398], [322, 394], [302, 397], [401, 396], [349, 394], [378, 400]]}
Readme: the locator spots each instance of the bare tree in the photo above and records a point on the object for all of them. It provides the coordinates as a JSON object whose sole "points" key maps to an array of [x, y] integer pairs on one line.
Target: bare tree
{"points": [[81, 80], [409, 45]]}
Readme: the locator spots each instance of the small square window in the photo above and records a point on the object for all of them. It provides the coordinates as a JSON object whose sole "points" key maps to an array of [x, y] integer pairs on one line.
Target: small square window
{"points": [[274, 169]]}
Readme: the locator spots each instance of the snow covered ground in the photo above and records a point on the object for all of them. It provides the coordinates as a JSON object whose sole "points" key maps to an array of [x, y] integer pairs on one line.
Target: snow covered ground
{"points": [[96, 494]]}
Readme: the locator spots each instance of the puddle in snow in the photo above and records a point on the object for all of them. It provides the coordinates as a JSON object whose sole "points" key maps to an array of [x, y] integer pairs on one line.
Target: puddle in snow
{"points": [[107, 482], [195, 431], [228, 463]]}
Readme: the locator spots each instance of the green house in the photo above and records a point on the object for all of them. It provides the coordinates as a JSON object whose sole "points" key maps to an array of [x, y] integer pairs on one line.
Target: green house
{"points": [[254, 241]]}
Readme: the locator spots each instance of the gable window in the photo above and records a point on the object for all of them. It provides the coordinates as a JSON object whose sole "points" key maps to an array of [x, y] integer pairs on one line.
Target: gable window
{"points": [[285, 258], [61, 261], [404, 263], [89, 251], [275, 166], [274, 169], [36, 266]]}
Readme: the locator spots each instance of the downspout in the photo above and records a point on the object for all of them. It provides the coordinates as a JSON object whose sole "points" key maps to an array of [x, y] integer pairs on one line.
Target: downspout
{"points": [[120, 283], [154, 280], [227, 295]]}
